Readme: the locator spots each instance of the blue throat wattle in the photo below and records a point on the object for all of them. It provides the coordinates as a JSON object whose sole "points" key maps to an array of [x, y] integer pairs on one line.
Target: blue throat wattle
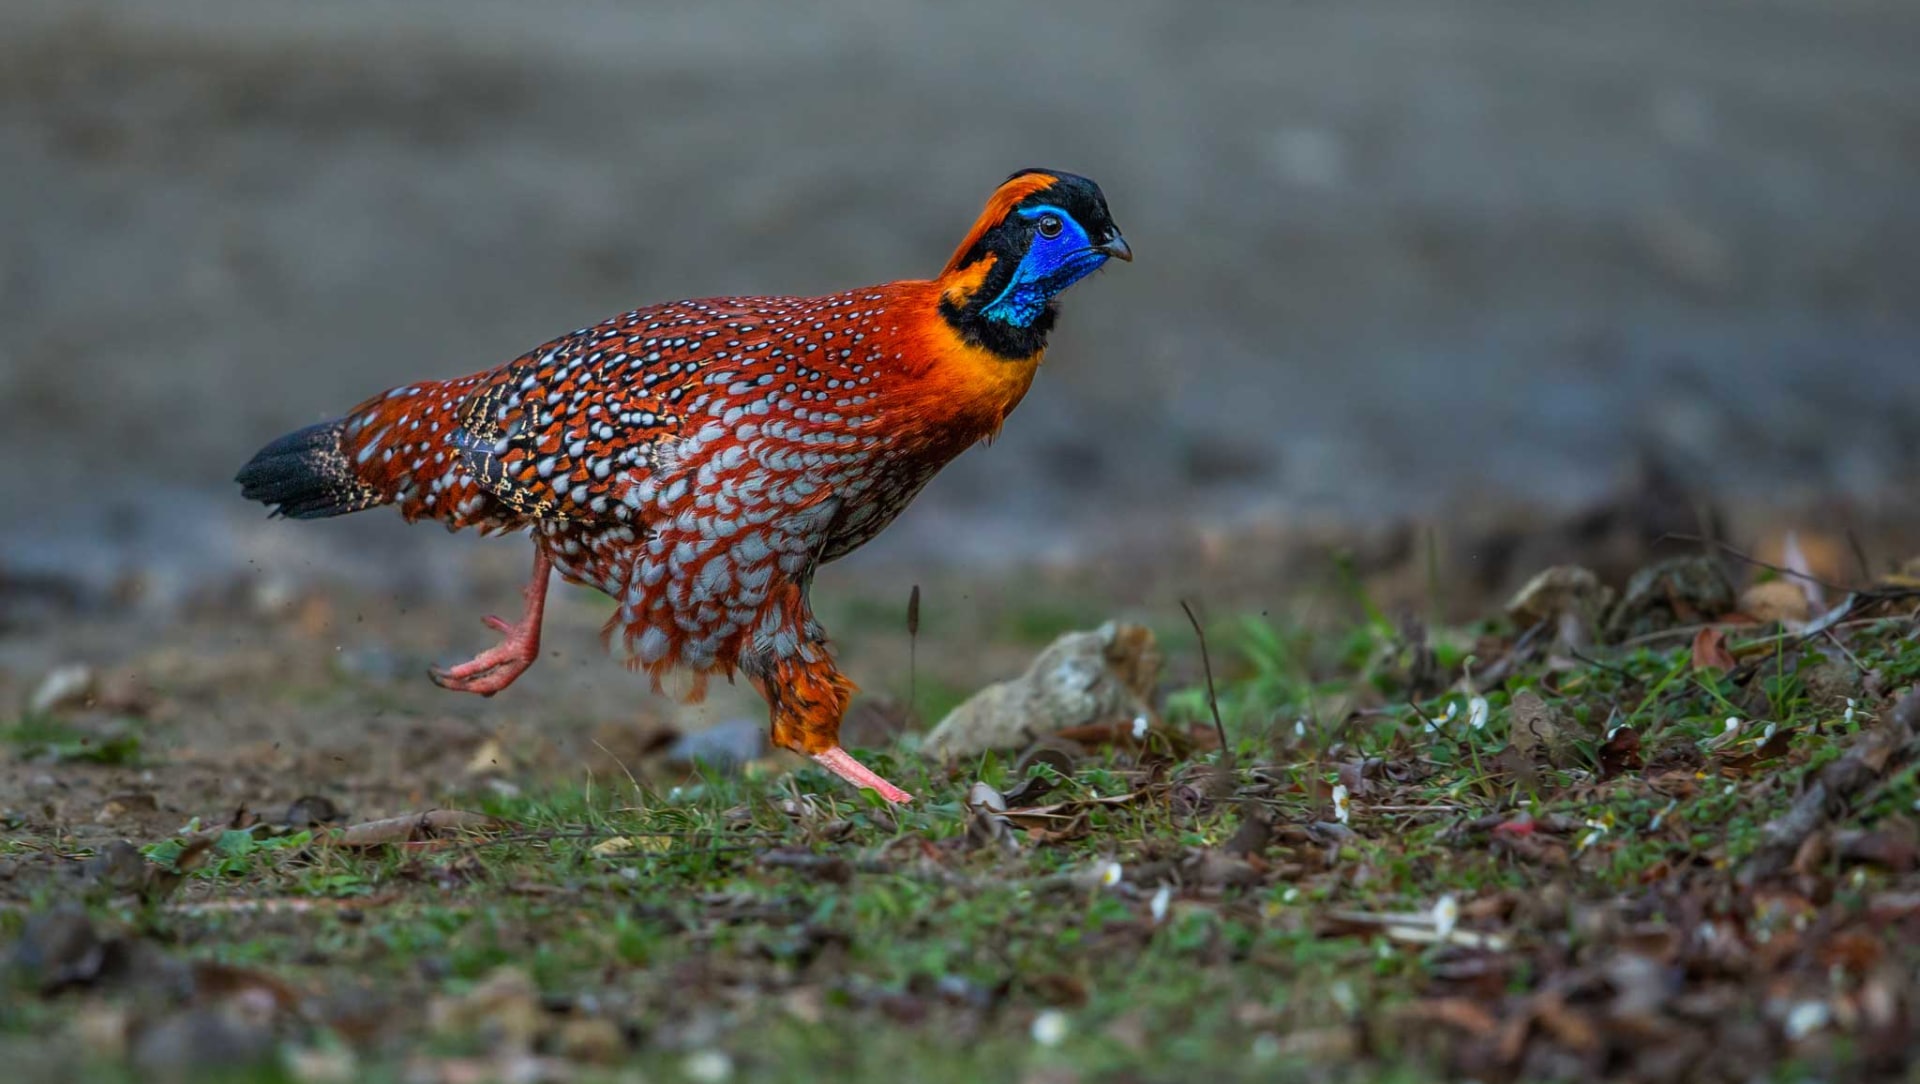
{"points": [[1050, 266]]}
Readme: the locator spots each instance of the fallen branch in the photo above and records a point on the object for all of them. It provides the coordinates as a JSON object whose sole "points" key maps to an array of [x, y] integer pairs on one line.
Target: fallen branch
{"points": [[280, 905], [1834, 790]]}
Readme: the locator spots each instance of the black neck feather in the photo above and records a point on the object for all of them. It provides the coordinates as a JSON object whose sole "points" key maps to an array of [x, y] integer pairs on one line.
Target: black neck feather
{"points": [[998, 337]]}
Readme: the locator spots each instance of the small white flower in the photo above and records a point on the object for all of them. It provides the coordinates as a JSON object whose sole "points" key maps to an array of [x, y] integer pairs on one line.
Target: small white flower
{"points": [[1383, 949], [1292, 894], [1050, 1028], [1111, 874], [707, 1067], [1158, 908], [1343, 997], [1477, 712], [1434, 725], [1767, 734], [1139, 727], [1661, 817], [1807, 1018], [1599, 829], [1299, 728], [1446, 912], [1729, 791], [1850, 707], [1341, 808], [1727, 734]]}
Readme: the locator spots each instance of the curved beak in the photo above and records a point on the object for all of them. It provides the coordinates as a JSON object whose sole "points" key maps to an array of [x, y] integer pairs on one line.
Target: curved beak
{"points": [[1116, 246]]}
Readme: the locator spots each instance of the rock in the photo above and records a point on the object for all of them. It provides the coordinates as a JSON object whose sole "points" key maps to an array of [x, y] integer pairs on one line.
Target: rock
{"points": [[725, 747], [131, 803], [489, 759], [1831, 687], [196, 1043], [504, 1007], [117, 867], [1081, 678], [1540, 730], [58, 949], [321, 1065], [1560, 590], [594, 1039], [1776, 600], [312, 811], [1569, 597], [68, 686], [1672, 593]]}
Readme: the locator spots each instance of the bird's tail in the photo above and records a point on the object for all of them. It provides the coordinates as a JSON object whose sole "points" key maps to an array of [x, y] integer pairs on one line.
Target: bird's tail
{"points": [[395, 447], [307, 475]]}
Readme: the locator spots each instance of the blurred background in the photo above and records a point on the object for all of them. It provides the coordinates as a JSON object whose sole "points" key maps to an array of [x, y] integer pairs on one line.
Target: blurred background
{"points": [[1397, 258]]}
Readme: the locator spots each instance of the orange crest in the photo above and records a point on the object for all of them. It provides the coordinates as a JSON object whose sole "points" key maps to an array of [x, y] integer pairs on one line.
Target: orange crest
{"points": [[1003, 201]]}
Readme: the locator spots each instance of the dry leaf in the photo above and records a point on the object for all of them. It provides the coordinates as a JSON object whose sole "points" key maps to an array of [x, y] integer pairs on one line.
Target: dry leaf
{"points": [[1621, 753], [1710, 651], [416, 828], [633, 845]]}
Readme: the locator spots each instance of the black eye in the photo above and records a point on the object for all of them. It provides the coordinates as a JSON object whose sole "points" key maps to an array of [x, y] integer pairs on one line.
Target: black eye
{"points": [[1050, 226]]}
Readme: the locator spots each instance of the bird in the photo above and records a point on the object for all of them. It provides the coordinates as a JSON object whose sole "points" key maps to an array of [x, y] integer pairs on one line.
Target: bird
{"points": [[699, 460]]}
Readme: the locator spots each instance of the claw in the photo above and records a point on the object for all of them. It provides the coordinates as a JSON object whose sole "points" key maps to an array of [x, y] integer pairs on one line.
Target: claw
{"points": [[498, 666]]}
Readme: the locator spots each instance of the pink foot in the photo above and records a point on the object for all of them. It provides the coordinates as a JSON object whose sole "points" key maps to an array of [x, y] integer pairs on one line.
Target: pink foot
{"points": [[841, 763], [496, 668]]}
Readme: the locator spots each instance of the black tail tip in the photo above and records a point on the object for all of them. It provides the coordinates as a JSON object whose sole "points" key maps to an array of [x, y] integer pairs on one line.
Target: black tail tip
{"points": [[305, 475]]}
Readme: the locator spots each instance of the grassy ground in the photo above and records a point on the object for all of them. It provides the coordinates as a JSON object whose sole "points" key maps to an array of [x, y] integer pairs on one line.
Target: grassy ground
{"points": [[1454, 852]]}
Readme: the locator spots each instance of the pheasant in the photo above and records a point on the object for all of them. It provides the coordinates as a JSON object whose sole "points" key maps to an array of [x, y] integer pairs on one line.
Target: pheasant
{"points": [[699, 460]]}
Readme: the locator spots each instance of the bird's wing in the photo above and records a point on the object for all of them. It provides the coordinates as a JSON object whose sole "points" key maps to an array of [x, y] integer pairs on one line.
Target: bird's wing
{"points": [[567, 429]]}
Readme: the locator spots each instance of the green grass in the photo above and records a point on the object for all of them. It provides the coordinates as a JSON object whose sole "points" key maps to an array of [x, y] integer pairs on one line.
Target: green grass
{"points": [[41, 738], [906, 949]]}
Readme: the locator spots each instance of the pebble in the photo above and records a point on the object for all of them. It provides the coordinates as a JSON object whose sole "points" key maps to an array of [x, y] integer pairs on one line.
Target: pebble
{"points": [[66, 686], [726, 747]]}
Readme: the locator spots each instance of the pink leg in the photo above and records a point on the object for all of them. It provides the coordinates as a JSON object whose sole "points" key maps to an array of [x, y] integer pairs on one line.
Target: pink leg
{"points": [[841, 763], [496, 668]]}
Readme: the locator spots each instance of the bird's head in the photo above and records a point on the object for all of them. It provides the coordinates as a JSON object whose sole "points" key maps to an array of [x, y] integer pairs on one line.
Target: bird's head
{"points": [[1042, 231]]}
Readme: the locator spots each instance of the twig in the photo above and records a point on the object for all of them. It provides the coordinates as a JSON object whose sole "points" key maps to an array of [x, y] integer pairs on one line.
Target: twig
{"points": [[1622, 671], [1858, 666], [1504, 667], [1206, 665], [1752, 560], [1860, 555], [1685, 632], [913, 649]]}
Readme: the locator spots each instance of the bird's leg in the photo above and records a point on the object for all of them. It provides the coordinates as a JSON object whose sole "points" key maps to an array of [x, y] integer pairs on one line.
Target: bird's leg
{"points": [[496, 668], [808, 696], [841, 763]]}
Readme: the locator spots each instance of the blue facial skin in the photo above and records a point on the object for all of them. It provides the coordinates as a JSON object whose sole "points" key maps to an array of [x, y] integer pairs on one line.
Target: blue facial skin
{"points": [[1051, 265]]}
